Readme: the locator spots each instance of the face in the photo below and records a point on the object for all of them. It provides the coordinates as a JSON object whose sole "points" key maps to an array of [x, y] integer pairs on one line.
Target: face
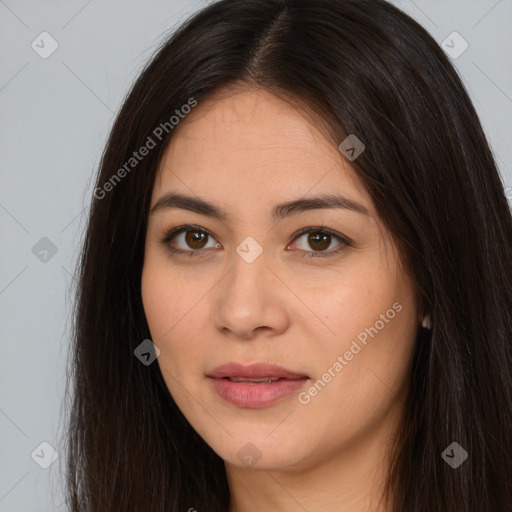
{"points": [[315, 289]]}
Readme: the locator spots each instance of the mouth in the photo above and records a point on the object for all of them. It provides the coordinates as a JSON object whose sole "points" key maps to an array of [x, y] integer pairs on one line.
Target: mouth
{"points": [[267, 380], [256, 372], [255, 386]]}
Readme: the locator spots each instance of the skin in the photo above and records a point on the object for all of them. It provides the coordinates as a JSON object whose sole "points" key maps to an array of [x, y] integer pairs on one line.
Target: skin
{"points": [[246, 151]]}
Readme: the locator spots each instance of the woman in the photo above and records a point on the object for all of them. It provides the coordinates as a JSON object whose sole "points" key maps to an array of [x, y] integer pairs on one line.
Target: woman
{"points": [[295, 284]]}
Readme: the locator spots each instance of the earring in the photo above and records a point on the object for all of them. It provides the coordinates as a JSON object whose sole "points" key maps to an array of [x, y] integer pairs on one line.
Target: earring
{"points": [[427, 322]]}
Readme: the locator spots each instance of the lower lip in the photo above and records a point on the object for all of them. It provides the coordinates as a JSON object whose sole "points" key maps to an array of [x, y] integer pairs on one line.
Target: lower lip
{"points": [[256, 395]]}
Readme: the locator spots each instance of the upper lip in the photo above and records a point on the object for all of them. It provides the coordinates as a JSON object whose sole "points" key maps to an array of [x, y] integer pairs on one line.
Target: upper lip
{"points": [[255, 370]]}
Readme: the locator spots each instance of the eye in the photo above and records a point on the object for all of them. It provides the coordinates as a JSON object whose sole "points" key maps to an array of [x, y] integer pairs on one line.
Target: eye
{"points": [[194, 240], [319, 239], [193, 237]]}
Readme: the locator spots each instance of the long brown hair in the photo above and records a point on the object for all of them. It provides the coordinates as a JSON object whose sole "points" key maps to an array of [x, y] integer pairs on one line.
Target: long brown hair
{"points": [[365, 68]]}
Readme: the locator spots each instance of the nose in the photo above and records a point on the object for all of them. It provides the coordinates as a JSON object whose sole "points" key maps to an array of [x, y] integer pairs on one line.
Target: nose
{"points": [[251, 300]]}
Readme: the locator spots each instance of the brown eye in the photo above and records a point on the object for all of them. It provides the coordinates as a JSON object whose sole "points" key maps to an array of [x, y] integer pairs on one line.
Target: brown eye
{"points": [[319, 241], [192, 241], [195, 239], [189, 240]]}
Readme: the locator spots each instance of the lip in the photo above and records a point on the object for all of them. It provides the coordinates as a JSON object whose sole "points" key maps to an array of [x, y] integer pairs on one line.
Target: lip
{"points": [[255, 370], [255, 395]]}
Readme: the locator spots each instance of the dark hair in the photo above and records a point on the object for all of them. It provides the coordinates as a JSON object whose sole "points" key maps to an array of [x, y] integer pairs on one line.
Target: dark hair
{"points": [[361, 67]]}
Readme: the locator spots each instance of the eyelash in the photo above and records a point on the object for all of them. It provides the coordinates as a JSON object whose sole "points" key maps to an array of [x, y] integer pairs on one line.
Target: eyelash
{"points": [[169, 235]]}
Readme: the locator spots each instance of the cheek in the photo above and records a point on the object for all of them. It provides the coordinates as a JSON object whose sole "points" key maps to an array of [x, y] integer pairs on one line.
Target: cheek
{"points": [[170, 308], [355, 302], [158, 302], [165, 298], [371, 316]]}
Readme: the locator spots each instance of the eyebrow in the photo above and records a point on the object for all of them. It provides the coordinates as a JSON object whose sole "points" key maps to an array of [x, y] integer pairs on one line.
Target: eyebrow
{"points": [[281, 210]]}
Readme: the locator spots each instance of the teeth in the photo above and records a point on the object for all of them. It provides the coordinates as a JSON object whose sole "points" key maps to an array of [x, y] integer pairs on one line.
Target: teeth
{"points": [[248, 379]]}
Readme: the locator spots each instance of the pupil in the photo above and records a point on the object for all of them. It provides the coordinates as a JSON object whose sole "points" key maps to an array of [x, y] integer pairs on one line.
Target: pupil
{"points": [[195, 237], [318, 238]]}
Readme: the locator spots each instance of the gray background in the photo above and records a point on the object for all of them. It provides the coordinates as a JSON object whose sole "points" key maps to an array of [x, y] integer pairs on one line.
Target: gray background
{"points": [[56, 113]]}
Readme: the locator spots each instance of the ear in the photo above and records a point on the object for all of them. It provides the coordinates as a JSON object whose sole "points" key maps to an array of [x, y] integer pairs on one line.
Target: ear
{"points": [[427, 321]]}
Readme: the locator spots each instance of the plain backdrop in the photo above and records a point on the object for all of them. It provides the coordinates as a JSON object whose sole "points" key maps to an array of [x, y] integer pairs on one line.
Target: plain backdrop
{"points": [[56, 111]]}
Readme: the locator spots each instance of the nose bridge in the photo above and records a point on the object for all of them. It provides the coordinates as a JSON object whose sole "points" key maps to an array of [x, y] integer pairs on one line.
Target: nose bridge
{"points": [[249, 271], [246, 300]]}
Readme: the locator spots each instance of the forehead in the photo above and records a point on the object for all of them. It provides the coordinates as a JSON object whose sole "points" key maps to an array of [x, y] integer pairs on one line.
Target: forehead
{"points": [[251, 143]]}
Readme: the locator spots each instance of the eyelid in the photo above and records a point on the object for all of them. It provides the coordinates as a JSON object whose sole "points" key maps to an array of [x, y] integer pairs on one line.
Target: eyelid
{"points": [[172, 233], [321, 229]]}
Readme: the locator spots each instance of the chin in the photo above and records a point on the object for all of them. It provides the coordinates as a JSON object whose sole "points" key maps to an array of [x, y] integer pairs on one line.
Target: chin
{"points": [[260, 453]]}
